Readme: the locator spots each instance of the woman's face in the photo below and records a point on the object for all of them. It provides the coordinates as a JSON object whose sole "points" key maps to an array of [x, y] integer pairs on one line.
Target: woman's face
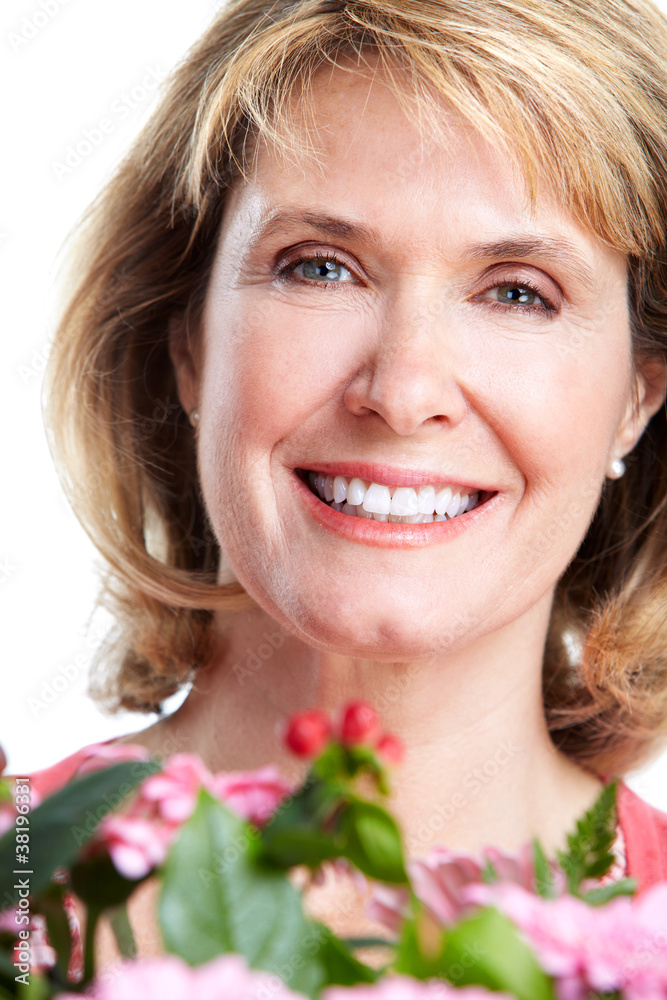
{"points": [[401, 317]]}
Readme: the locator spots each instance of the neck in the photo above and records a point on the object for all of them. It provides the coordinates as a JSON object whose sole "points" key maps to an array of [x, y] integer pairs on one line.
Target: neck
{"points": [[480, 766]]}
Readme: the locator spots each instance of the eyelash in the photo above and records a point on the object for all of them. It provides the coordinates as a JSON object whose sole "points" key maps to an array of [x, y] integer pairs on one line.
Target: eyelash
{"points": [[547, 309]]}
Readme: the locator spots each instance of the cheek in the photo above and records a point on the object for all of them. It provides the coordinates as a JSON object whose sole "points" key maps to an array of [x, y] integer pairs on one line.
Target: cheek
{"points": [[562, 401], [269, 366]]}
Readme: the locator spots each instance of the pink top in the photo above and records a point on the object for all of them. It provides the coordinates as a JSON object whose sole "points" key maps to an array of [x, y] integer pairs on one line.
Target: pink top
{"points": [[645, 833]]}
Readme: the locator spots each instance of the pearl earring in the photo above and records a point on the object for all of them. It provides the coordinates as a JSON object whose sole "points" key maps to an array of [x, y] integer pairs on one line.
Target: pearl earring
{"points": [[616, 469], [193, 417]]}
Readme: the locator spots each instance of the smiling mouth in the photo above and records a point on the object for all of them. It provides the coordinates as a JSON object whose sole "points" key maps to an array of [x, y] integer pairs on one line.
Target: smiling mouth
{"points": [[398, 504]]}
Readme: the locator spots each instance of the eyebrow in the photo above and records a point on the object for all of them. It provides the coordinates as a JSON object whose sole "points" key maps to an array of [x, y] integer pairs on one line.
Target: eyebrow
{"points": [[560, 251], [329, 224]]}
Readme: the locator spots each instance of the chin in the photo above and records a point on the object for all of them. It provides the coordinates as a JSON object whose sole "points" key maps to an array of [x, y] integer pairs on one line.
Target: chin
{"points": [[367, 626]]}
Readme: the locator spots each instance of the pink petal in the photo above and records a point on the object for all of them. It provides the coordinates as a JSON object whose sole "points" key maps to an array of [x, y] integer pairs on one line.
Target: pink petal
{"points": [[255, 795]]}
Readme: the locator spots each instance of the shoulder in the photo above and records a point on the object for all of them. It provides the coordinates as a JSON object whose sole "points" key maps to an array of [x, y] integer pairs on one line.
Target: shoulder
{"points": [[645, 832]]}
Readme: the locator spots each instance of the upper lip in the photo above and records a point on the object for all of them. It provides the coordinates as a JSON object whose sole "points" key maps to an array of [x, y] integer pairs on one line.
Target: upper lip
{"points": [[387, 475]]}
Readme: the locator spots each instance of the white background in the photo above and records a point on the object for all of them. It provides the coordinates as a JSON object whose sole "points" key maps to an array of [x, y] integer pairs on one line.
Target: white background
{"points": [[83, 62]]}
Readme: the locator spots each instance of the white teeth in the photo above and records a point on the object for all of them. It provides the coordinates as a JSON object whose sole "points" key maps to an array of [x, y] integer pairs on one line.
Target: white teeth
{"points": [[340, 489], [397, 504], [453, 507], [404, 502], [442, 500], [356, 492], [426, 500], [377, 499]]}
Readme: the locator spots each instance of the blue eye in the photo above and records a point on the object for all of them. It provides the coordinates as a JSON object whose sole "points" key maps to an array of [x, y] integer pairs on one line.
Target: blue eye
{"points": [[517, 295], [319, 268], [329, 269]]}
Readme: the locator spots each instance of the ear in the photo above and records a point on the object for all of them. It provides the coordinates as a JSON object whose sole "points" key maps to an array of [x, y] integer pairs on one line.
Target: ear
{"points": [[649, 395], [185, 363]]}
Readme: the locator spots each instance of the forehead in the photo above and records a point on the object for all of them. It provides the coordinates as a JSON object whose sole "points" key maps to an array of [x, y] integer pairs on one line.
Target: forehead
{"points": [[396, 183]]}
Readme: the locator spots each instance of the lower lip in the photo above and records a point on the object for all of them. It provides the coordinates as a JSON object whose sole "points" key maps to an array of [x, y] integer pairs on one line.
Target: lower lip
{"points": [[390, 534]]}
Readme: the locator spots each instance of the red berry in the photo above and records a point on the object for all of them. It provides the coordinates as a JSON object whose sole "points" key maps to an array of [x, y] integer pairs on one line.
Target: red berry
{"points": [[391, 749], [308, 732], [360, 723]]}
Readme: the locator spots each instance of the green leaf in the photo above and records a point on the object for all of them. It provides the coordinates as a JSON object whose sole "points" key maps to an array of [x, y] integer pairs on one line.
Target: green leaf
{"points": [[36, 988], [342, 968], [302, 830], [489, 873], [217, 897], [544, 882], [331, 765], [325, 820], [8, 985], [421, 944], [288, 848], [373, 841], [67, 820], [602, 894], [589, 853], [483, 950], [486, 950]]}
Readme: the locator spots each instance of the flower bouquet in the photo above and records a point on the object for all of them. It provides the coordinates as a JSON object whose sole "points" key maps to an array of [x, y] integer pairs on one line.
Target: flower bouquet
{"points": [[224, 849]]}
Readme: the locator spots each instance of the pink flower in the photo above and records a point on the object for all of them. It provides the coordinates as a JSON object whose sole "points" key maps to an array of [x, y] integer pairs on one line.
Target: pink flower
{"points": [[439, 879], [255, 795], [7, 817], [442, 879], [136, 845], [621, 945], [174, 791], [139, 839], [169, 978], [389, 906], [41, 954], [405, 988]]}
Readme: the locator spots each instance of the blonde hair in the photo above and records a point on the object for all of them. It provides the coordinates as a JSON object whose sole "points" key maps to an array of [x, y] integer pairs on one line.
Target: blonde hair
{"points": [[577, 92]]}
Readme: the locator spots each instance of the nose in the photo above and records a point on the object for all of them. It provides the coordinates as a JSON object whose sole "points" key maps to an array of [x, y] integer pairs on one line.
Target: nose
{"points": [[411, 375]]}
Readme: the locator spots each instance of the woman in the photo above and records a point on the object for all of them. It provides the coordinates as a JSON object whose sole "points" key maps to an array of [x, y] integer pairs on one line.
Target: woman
{"points": [[361, 390]]}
